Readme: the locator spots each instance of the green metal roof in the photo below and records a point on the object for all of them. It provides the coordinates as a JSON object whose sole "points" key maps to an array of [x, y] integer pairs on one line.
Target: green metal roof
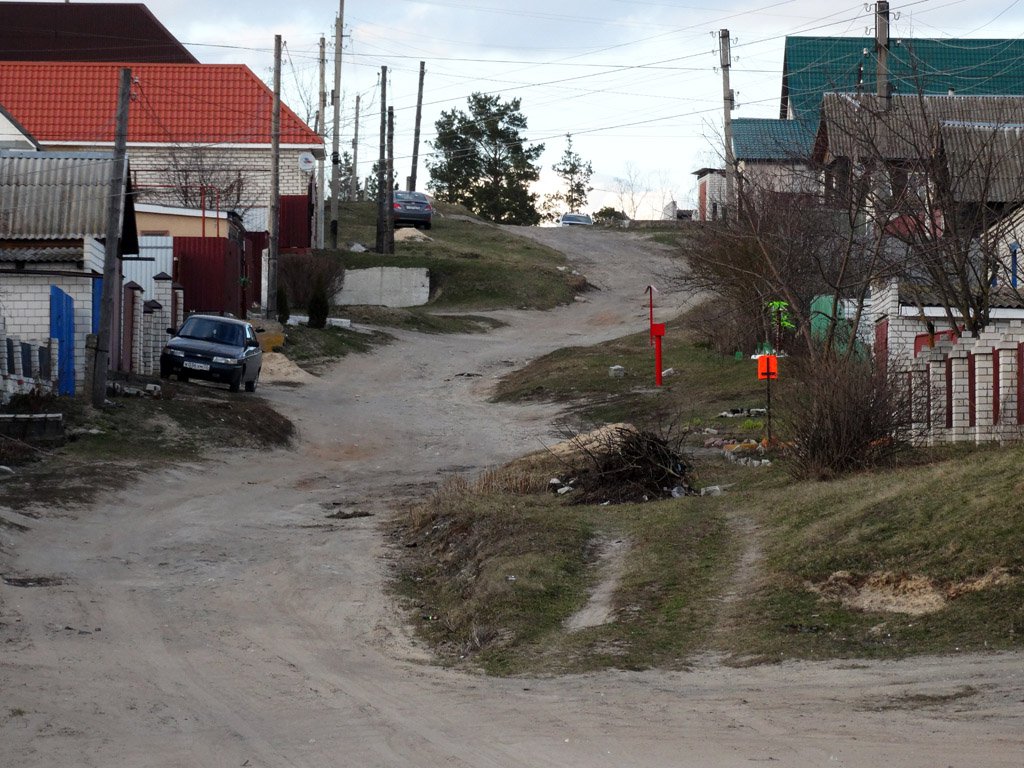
{"points": [[766, 139], [816, 65]]}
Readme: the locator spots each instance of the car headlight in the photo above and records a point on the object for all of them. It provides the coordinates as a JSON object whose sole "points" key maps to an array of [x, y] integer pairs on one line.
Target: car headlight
{"points": [[175, 352], [227, 360]]}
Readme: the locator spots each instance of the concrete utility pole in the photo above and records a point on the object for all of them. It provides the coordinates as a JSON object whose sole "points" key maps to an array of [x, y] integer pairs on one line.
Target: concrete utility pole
{"points": [[389, 199], [336, 101], [275, 184], [416, 130], [382, 161], [115, 219], [354, 176], [725, 56], [321, 129], [882, 46]]}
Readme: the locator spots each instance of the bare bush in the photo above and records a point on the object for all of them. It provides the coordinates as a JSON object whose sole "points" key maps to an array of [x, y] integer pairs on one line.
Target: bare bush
{"points": [[299, 273], [841, 413]]}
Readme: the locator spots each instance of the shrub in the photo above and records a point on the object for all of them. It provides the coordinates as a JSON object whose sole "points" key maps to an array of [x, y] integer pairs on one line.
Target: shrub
{"points": [[283, 312], [319, 306], [298, 274], [840, 414]]}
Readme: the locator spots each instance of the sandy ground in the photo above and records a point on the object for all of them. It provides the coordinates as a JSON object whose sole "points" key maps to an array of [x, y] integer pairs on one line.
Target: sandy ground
{"points": [[212, 615]]}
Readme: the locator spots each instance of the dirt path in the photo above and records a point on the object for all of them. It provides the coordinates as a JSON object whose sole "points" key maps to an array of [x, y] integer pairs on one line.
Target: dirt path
{"points": [[212, 615]]}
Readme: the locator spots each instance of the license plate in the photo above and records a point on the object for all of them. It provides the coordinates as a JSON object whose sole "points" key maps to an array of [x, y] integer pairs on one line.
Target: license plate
{"points": [[197, 366]]}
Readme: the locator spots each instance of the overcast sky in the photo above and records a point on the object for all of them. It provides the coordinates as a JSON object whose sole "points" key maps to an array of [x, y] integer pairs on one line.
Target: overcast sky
{"points": [[636, 82]]}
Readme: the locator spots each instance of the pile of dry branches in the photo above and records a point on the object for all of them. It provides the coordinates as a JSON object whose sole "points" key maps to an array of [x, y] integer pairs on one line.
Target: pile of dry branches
{"points": [[621, 464]]}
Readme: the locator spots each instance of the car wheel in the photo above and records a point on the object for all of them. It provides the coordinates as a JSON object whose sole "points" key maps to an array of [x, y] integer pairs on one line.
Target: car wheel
{"points": [[183, 378], [250, 386], [427, 225], [165, 373], [236, 383]]}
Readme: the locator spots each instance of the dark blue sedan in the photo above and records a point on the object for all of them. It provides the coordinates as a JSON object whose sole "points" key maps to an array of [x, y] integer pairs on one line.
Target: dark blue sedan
{"points": [[412, 208], [213, 348]]}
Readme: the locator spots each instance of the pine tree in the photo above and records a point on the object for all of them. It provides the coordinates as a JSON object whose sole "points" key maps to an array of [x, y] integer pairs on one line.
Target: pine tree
{"points": [[481, 161], [576, 174]]}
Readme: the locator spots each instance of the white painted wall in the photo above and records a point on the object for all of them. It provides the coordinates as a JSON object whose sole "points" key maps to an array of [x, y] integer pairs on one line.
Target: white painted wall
{"points": [[11, 137], [159, 254], [385, 287]]}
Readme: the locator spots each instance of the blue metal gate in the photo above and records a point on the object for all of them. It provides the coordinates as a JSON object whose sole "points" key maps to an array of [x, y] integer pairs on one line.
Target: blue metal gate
{"points": [[62, 328], [97, 296]]}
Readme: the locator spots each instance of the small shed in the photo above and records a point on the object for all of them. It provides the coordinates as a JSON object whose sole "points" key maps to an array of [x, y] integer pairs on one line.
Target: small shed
{"points": [[53, 217]]}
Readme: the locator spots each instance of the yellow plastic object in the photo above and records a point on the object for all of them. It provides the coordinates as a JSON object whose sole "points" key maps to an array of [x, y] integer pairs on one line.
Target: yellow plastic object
{"points": [[270, 340]]}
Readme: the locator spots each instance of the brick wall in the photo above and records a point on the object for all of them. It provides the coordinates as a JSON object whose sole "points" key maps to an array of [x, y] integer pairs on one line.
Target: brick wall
{"points": [[152, 170], [970, 388], [25, 304]]}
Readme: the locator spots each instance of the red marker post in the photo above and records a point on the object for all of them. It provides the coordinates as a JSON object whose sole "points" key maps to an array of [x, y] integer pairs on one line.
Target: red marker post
{"points": [[657, 331]]}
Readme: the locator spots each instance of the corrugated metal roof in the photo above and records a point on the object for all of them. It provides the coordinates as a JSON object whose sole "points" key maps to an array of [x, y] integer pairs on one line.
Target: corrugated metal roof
{"points": [[763, 139], [899, 128], [980, 137], [59, 102], [50, 195], [816, 65], [86, 32], [985, 162]]}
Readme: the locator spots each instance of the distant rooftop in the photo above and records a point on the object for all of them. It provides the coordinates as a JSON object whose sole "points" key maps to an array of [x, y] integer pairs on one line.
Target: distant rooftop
{"points": [[118, 32], [73, 102], [767, 139], [814, 66]]}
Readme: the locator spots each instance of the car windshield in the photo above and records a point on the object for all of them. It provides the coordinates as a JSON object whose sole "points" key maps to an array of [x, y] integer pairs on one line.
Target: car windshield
{"points": [[575, 218], [410, 197], [211, 329]]}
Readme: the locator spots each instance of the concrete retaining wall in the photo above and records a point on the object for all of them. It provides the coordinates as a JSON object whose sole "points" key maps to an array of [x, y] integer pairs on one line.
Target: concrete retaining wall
{"points": [[385, 287]]}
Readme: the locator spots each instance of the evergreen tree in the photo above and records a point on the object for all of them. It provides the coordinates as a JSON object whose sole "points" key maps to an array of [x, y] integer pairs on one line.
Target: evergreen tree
{"points": [[482, 161], [576, 174]]}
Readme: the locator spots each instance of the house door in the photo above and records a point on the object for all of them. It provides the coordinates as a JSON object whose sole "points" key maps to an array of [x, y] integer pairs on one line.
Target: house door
{"points": [[62, 328]]}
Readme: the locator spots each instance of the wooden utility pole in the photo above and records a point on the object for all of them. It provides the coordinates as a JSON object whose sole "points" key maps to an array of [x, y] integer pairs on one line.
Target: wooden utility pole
{"points": [[354, 177], [382, 161], [115, 219], [321, 129], [416, 130], [725, 57], [275, 184], [882, 46], [336, 101]]}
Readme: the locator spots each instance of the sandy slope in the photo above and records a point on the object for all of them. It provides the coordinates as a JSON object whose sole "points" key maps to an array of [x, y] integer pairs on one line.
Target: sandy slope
{"points": [[213, 616]]}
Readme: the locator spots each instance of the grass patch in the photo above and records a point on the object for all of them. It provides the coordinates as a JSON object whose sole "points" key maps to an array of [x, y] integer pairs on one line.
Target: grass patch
{"points": [[703, 383], [473, 265], [498, 568], [421, 320], [949, 523], [312, 348]]}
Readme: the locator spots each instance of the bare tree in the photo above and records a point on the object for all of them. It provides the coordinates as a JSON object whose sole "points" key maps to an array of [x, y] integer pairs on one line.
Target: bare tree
{"points": [[936, 179], [198, 177], [631, 190]]}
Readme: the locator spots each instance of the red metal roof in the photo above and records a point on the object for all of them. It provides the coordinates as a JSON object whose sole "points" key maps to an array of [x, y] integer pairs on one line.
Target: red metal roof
{"points": [[34, 31], [61, 102]]}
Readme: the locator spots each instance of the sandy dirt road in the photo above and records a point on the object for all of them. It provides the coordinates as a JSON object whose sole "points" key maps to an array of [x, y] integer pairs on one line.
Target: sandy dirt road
{"points": [[211, 615]]}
